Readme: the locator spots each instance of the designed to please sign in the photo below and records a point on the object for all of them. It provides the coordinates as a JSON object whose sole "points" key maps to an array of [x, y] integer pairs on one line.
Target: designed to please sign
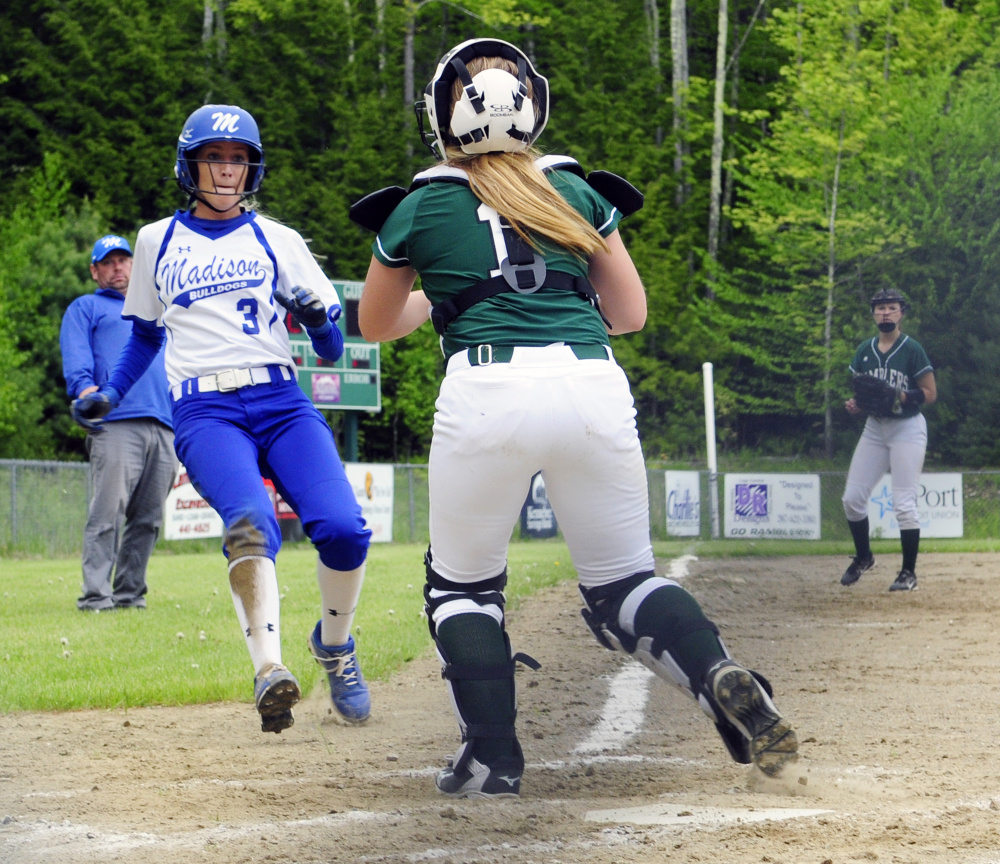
{"points": [[782, 506]]}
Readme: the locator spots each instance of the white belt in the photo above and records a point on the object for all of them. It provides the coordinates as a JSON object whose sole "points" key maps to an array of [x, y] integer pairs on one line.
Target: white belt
{"points": [[228, 379]]}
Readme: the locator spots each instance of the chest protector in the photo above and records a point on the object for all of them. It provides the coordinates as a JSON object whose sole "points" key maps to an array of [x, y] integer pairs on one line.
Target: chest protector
{"points": [[523, 271]]}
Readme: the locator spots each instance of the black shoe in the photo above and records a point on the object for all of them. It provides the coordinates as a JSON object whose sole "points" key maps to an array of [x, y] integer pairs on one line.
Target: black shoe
{"points": [[905, 581], [858, 566], [747, 706], [475, 780]]}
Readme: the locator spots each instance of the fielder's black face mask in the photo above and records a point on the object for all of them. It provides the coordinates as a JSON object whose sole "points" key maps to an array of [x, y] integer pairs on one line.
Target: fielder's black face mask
{"points": [[886, 326]]}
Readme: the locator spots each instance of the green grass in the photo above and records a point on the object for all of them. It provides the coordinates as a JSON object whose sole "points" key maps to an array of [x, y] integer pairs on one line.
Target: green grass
{"points": [[186, 647]]}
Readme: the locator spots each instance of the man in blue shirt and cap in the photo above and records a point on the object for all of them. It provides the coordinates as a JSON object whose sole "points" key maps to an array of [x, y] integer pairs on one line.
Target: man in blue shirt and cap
{"points": [[131, 454]]}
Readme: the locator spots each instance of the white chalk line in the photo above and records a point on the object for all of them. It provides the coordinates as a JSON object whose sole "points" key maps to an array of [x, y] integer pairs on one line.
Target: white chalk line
{"points": [[624, 710], [680, 815]]}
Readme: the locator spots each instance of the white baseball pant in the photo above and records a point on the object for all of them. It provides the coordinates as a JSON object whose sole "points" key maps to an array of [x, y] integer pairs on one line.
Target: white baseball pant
{"points": [[896, 446], [546, 410]]}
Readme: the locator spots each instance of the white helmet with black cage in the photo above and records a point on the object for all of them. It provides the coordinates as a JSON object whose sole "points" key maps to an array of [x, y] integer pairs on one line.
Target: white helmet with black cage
{"points": [[495, 113]]}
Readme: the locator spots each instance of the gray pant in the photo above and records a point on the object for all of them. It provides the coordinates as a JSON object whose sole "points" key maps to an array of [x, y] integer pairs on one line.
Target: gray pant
{"points": [[132, 465]]}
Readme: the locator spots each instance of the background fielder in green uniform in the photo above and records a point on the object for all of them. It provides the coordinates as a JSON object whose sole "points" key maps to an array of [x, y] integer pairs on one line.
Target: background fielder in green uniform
{"points": [[895, 443]]}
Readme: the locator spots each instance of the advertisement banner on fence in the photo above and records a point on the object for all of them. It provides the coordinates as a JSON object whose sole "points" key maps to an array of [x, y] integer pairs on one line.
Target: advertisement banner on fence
{"points": [[538, 520], [772, 506], [939, 505], [373, 487], [186, 514], [683, 504]]}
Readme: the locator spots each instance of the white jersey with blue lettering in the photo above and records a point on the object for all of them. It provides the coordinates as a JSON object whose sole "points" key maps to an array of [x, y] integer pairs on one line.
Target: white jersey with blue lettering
{"points": [[211, 284]]}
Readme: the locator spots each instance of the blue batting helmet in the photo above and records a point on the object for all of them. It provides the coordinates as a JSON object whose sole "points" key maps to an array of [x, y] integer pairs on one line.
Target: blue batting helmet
{"points": [[219, 123]]}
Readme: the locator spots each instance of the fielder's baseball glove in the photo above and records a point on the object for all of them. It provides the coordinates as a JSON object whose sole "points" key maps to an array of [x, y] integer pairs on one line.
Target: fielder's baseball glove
{"points": [[875, 397]]}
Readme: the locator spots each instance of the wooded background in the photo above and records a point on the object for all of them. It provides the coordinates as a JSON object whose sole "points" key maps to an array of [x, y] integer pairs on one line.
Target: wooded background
{"points": [[795, 158]]}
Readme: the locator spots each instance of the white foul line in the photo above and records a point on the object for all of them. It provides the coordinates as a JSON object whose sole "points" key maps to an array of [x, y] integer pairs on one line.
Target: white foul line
{"points": [[625, 708], [623, 712]]}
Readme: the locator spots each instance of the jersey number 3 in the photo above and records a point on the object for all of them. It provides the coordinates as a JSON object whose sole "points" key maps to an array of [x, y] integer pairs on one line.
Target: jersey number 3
{"points": [[248, 307]]}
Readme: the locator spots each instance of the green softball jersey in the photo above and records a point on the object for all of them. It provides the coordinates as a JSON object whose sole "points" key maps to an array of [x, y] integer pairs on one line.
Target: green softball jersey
{"points": [[900, 366], [455, 241]]}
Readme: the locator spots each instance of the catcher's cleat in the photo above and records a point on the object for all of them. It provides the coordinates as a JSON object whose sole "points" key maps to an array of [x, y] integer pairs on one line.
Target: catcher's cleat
{"points": [[905, 581], [858, 566], [275, 691], [746, 704], [475, 780], [348, 690]]}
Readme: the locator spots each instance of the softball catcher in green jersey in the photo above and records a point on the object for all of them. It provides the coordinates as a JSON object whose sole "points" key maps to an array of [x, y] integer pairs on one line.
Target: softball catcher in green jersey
{"points": [[523, 275], [894, 438]]}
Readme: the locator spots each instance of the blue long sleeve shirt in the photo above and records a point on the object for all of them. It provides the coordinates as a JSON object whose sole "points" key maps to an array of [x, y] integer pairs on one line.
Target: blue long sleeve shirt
{"points": [[92, 336]]}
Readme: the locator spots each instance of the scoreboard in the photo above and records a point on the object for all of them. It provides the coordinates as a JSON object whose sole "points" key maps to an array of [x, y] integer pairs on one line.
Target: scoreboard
{"points": [[352, 383]]}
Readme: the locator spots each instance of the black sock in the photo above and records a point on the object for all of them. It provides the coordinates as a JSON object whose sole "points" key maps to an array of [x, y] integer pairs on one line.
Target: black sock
{"points": [[476, 640], [859, 533], [910, 539]]}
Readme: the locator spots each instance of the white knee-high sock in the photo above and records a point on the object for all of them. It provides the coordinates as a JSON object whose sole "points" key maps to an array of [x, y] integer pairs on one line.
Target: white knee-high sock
{"points": [[339, 591], [253, 583]]}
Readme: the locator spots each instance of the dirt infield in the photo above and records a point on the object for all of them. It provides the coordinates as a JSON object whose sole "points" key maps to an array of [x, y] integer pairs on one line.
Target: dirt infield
{"points": [[895, 697]]}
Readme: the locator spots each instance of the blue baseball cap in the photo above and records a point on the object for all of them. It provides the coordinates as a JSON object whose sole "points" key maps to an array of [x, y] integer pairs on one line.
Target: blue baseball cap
{"points": [[109, 243]]}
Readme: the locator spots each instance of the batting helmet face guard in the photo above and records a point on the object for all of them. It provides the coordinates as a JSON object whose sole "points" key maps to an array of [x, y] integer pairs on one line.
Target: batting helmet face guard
{"points": [[218, 123], [498, 112], [889, 295]]}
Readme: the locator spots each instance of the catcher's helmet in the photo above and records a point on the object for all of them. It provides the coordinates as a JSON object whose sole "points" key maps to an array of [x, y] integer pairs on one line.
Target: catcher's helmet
{"points": [[495, 113], [888, 295], [219, 123]]}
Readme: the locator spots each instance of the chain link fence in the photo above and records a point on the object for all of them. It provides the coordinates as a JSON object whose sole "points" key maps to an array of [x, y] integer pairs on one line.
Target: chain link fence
{"points": [[43, 505]]}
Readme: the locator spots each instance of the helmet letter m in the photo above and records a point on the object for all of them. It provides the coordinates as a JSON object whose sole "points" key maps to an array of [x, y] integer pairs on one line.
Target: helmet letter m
{"points": [[225, 122]]}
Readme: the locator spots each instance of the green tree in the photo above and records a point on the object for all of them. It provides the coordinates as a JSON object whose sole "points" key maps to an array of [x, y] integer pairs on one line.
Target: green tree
{"points": [[44, 253], [805, 198], [104, 83]]}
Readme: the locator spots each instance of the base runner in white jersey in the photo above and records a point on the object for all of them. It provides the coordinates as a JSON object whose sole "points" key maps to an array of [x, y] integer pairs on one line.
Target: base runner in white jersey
{"points": [[216, 281], [513, 252], [894, 438]]}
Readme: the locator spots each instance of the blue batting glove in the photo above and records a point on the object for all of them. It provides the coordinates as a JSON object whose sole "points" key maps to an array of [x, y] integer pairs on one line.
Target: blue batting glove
{"points": [[89, 411]]}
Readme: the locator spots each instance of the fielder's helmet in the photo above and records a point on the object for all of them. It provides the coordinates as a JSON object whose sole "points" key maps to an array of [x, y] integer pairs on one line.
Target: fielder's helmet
{"points": [[219, 123], [888, 295], [494, 113]]}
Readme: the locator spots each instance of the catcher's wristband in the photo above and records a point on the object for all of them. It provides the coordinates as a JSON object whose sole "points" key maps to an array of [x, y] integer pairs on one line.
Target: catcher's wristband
{"points": [[915, 396]]}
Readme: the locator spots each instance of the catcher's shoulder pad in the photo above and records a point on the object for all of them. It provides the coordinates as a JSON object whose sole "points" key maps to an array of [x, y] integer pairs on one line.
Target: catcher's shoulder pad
{"points": [[560, 163], [617, 190], [371, 211]]}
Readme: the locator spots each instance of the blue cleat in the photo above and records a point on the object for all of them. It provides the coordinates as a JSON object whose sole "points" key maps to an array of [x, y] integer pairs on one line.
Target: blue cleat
{"points": [[348, 689], [275, 691]]}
